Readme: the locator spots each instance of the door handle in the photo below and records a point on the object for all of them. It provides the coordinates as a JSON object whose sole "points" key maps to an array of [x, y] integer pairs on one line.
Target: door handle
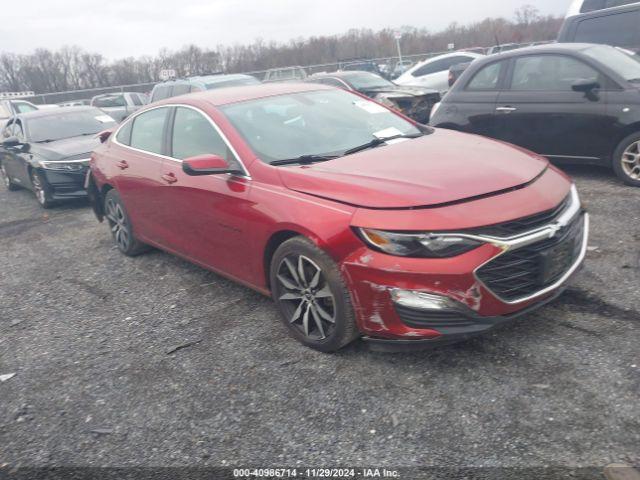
{"points": [[122, 165], [506, 109], [169, 178]]}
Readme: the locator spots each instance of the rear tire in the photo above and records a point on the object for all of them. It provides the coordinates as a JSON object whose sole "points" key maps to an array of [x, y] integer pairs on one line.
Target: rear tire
{"points": [[312, 298], [626, 160], [6, 180], [121, 227]]}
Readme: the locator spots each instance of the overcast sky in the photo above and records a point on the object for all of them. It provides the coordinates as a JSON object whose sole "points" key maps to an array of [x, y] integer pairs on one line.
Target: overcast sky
{"points": [[120, 28]]}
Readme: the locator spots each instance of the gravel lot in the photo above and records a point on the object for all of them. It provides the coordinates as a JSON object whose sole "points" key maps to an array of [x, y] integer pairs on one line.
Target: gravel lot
{"points": [[93, 338]]}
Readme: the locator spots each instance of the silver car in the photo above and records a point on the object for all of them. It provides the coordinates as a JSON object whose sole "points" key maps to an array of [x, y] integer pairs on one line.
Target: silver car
{"points": [[119, 105]]}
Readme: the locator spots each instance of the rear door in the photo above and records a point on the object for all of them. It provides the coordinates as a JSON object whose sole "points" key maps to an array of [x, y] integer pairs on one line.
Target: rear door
{"points": [[206, 214], [540, 111], [138, 156]]}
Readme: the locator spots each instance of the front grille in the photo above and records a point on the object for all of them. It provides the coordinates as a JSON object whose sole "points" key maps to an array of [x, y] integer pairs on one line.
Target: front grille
{"points": [[522, 225], [524, 271]]}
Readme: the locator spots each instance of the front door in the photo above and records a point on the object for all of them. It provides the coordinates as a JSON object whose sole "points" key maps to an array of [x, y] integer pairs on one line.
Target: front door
{"points": [[541, 112], [205, 213]]}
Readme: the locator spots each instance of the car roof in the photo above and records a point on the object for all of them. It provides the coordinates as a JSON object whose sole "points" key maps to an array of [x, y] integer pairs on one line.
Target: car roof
{"points": [[56, 111], [342, 74], [546, 48], [206, 79], [226, 96]]}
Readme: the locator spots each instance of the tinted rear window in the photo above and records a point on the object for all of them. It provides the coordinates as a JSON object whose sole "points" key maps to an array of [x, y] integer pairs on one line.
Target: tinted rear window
{"points": [[620, 29], [161, 92], [110, 101]]}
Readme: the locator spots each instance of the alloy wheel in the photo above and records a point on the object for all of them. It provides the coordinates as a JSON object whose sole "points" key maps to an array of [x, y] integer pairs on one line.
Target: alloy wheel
{"points": [[305, 296], [118, 224], [5, 176], [631, 161], [38, 188]]}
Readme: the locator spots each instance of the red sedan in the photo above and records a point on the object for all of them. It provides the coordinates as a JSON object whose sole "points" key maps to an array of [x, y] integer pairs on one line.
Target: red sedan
{"points": [[356, 220]]}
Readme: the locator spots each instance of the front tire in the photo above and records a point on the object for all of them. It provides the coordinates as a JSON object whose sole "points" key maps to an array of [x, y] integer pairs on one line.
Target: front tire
{"points": [[312, 298], [626, 160], [120, 226], [8, 183], [41, 189]]}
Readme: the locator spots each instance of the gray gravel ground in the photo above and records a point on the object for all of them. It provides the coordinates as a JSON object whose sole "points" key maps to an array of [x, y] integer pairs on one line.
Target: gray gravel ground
{"points": [[88, 333]]}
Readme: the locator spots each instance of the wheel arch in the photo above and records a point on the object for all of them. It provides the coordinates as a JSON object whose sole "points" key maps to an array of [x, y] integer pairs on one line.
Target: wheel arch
{"points": [[276, 239], [624, 133]]}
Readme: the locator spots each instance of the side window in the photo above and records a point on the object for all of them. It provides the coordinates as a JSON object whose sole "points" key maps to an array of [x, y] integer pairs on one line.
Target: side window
{"points": [[135, 99], [23, 107], [619, 29], [148, 129], [194, 135], [4, 113], [550, 73], [441, 65], [487, 78], [124, 134], [180, 89]]}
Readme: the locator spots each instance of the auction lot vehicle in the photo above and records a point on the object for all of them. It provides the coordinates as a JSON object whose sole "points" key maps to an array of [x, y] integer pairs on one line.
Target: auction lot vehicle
{"points": [[289, 74], [356, 220], [415, 102], [119, 105], [570, 102], [48, 151], [434, 72], [11, 107], [182, 86], [609, 22]]}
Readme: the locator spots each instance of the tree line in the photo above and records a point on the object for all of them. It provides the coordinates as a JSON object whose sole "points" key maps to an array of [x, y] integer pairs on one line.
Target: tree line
{"points": [[72, 68]]}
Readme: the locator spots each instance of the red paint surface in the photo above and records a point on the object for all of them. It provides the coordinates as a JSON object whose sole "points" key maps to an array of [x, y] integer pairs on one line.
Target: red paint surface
{"points": [[224, 222]]}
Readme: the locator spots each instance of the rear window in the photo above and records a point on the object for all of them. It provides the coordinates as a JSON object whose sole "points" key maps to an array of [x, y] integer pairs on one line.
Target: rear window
{"points": [[161, 92], [180, 89], [620, 29], [110, 101]]}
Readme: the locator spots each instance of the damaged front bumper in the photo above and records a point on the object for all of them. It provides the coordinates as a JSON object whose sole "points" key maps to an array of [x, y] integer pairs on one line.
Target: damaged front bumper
{"points": [[419, 302]]}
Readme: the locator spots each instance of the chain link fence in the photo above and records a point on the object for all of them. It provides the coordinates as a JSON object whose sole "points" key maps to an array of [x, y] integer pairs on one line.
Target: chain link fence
{"points": [[390, 62]]}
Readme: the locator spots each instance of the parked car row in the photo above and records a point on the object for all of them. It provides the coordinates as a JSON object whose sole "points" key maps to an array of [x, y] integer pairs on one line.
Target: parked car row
{"points": [[570, 102]]}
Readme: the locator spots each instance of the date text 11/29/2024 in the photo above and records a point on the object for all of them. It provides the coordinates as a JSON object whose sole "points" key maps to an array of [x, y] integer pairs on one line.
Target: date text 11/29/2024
{"points": [[312, 473]]}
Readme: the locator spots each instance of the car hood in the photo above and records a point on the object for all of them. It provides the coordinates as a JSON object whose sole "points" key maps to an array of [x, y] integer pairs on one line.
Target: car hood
{"points": [[439, 168], [66, 148]]}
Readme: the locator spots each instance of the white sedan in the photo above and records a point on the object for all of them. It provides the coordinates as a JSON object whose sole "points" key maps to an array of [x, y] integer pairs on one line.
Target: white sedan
{"points": [[433, 73]]}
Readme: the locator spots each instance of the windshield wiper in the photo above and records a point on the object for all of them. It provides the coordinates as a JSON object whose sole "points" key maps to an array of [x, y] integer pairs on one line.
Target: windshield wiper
{"points": [[379, 141], [304, 160]]}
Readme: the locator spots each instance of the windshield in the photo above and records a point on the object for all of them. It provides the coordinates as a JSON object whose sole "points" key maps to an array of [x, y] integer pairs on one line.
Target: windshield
{"points": [[232, 83], [364, 81], [326, 122], [624, 64], [68, 124]]}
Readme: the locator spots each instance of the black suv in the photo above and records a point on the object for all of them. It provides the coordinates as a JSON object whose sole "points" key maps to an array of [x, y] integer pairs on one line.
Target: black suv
{"points": [[576, 102], [610, 22]]}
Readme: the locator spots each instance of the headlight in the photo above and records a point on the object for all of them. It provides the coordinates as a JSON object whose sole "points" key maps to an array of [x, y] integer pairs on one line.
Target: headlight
{"points": [[424, 245], [74, 166]]}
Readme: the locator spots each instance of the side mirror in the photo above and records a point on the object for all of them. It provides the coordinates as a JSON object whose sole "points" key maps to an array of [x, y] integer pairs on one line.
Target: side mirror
{"points": [[12, 141], [589, 87], [104, 135], [208, 164]]}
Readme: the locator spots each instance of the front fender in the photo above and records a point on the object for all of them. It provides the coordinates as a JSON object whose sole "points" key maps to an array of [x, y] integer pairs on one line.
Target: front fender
{"points": [[94, 195]]}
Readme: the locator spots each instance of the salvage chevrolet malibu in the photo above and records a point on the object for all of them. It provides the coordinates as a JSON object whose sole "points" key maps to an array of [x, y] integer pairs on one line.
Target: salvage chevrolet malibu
{"points": [[357, 221]]}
